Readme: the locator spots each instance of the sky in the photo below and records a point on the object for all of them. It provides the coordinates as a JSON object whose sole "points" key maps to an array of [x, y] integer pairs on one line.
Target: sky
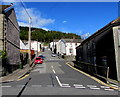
{"points": [[81, 18]]}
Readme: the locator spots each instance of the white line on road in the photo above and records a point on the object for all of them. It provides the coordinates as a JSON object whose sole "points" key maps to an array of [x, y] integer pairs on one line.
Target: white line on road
{"points": [[52, 66], [91, 86], [109, 89], [6, 86], [58, 81], [104, 87], [80, 87], [94, 88], [62, 85], [65, 86], [54, 71], [114, 86]]}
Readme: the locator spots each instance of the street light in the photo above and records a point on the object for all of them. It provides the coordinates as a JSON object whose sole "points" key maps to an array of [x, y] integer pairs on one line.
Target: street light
{"points": [[29, 39]]}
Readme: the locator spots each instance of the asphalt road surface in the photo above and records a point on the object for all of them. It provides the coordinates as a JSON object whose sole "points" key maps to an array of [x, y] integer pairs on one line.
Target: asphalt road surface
{"points": [[54, 77]]}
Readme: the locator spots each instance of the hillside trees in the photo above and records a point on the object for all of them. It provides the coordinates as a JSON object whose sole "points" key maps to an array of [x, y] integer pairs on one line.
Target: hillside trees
{"points": [[45, 36]]}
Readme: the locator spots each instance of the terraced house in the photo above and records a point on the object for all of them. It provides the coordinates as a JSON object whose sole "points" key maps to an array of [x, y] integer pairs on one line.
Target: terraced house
{"points": [[9, 37]]}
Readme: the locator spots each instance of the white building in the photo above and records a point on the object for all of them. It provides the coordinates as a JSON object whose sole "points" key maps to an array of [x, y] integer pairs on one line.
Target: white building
{"points": [[22, 45], [35, 45], [67, 46], [53, 44]]}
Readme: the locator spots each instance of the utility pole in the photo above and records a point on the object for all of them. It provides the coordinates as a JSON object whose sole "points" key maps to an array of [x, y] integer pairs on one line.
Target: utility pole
{"points": [[29, 39], [37, 47], [29, 34]]}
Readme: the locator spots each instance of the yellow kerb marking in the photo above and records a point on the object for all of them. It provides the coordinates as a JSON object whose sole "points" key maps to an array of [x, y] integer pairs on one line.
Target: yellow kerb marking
{"points": [[99, 81], [23, 77]]}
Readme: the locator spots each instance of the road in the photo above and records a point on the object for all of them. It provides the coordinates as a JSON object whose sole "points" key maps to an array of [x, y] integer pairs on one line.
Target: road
{"points": [[54, 77]]}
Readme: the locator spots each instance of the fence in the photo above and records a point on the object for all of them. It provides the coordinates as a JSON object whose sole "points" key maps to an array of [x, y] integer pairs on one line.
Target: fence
{"points": [[94, 69]]}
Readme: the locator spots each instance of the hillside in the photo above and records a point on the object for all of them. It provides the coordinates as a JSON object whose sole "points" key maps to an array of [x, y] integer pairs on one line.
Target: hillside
{"points": [[45, 36]]}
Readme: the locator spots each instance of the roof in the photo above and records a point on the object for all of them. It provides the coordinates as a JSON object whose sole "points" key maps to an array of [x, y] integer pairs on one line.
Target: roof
{"points": [[113, 23], [5, 8], [73, 40], [56, 40]]}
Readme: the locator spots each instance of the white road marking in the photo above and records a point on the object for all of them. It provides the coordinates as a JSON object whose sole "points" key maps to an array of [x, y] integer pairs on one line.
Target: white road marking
{"points": [[114, 86], [104, 87], [94, 88], [65, 86], [91, 86], [52, 66], [109, 89], [62, 85], [54, 71], [6, 86], [58, 81], [79, 87]]}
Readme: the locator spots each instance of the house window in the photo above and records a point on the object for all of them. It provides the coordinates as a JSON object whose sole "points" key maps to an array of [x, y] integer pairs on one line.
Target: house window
{"points": [[88, 46], [93, 44], [94, 60], [71, 50]]}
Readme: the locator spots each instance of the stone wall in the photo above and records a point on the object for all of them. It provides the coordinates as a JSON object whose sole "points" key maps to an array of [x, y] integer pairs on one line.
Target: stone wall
{"points": [[9, 41], [12, 38], [1, 40], [1, 31]]}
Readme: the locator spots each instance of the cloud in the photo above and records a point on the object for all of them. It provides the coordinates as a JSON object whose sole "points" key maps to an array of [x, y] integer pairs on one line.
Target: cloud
{"points": [[9, 0], [36, 19], [45, 29], [86, 35], [64, 21]]}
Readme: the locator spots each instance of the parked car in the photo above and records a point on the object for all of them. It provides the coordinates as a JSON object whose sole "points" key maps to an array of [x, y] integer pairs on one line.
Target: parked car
{"points": [[53, 55], [43, 57], [38, 60]]}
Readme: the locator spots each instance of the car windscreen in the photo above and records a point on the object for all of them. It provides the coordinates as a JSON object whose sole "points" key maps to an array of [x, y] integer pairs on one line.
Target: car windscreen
{"points": [[38, 58]]}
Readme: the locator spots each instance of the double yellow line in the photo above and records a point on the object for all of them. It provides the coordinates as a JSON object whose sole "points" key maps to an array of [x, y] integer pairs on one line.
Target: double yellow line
{"points": [[23, 77], [94, 78]]}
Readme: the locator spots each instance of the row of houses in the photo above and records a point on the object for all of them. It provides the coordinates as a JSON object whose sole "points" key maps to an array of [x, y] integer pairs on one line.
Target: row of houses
{"points": [[65, 47], [100, 53], [35, 46], [15, 49], [9, 38]]}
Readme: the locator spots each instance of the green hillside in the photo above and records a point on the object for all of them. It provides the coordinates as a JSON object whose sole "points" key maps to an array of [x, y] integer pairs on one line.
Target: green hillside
{"points": [[45, 36]]}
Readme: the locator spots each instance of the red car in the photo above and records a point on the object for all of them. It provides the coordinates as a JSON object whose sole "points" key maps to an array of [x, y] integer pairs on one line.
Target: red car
{"points": [[38, 60]]}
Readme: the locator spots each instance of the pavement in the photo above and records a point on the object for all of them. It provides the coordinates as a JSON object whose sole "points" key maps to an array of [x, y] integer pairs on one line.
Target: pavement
{"points": [[17, 74]]}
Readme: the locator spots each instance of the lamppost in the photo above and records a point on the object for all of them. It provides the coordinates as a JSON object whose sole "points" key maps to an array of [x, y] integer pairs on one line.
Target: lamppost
{"points": [[29, 39]]}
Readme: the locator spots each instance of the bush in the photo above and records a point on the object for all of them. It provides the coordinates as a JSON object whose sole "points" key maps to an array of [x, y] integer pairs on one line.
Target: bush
{"points": [[3, 55]]}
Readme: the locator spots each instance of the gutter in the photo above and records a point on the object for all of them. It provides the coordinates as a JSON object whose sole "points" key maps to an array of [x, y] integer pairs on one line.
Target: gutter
{"points": [[9, 8]]}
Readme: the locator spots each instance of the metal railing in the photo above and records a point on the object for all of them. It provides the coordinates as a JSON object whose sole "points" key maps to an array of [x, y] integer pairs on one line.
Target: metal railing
{"points": [[94, 69]]}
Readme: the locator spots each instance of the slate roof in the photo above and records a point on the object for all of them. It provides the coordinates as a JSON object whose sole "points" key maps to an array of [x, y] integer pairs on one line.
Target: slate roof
{"points": [[5, 8]]}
